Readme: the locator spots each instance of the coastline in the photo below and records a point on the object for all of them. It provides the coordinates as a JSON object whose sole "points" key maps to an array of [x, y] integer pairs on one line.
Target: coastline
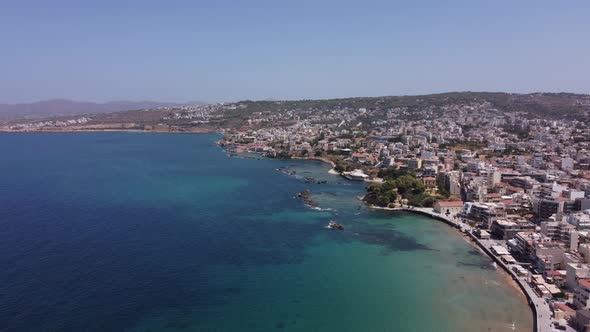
{"points": [[465, 235], [423, 213], [333, 170], [327, 161], [511, 279], [502, 269]]}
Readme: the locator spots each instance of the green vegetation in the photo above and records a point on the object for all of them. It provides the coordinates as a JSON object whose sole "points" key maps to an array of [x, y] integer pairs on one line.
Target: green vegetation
{"points": [[341, 166], [391, 173], [442, 190], [283, 155], [382, 194], [398, 184]]}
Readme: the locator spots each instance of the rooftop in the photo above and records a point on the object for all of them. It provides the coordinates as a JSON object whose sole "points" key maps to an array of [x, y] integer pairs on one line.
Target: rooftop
{"points": [[564, 307], [450, 203], [584, 283]]}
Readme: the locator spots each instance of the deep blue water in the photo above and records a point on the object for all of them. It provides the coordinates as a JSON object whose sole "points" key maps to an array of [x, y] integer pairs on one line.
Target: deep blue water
{"points": [[164, 232], [97, 229]]}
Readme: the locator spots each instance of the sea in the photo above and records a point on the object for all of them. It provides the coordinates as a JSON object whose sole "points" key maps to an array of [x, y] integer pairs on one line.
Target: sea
{"points": [[167, 232]]}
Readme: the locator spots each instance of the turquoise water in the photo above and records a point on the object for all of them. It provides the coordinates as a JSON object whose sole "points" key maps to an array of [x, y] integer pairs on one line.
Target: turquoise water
{"points": [[162, 232]]}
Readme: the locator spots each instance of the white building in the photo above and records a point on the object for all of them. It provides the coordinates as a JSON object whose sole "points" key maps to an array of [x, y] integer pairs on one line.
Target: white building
{"points": [[575, 272], [581, 220], [448, 207]]}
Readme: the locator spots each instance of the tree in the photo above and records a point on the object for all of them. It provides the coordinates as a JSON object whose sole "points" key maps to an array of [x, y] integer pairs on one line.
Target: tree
{"points": [[429, 201], [442, 190], [382, 200], [391, 173], [283, 155], [340, 166], [381, 194], [374, 188], [405, 183], [388, 185]]}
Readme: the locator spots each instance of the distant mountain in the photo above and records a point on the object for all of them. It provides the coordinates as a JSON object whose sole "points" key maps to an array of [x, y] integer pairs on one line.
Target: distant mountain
{"points": [[61, 107]]}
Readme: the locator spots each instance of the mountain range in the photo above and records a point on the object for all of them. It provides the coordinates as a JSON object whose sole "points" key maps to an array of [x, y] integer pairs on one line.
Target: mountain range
{"points": [[64, 107]]}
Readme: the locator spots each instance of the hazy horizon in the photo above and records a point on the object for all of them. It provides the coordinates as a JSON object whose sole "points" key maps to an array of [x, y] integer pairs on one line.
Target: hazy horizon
{"points": [[179, 51], [269, 99]]}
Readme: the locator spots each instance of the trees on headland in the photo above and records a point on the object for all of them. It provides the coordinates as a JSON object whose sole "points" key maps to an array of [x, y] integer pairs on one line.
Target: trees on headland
{"points": [[381, 194], [341, 166], [398, 184], [281, 155]]}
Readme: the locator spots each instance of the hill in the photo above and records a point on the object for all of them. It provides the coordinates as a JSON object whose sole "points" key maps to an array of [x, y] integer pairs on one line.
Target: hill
{"points": [[64, 107]]}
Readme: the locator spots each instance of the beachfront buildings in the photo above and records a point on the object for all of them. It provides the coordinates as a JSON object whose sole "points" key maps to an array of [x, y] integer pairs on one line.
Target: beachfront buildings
{"points": [[507, 229], [484, 213], [524, 243]]}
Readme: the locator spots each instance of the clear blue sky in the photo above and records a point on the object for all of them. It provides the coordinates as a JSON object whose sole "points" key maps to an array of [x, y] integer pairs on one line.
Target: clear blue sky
{"points": [[230, 50]]}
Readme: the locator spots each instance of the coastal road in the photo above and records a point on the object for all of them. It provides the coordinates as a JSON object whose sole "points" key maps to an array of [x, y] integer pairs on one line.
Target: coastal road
{"points": [[544, 321]]}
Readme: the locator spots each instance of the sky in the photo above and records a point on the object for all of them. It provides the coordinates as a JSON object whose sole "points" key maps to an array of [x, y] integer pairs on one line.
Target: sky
{"points": [[222, 50]]}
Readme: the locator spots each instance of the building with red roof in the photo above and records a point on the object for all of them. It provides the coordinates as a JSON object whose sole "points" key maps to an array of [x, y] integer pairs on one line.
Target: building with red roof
{"points": [[448, 207]]}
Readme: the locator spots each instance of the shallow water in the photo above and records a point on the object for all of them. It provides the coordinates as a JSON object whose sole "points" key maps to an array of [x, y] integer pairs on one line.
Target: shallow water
{"points": [[157, 232]]}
